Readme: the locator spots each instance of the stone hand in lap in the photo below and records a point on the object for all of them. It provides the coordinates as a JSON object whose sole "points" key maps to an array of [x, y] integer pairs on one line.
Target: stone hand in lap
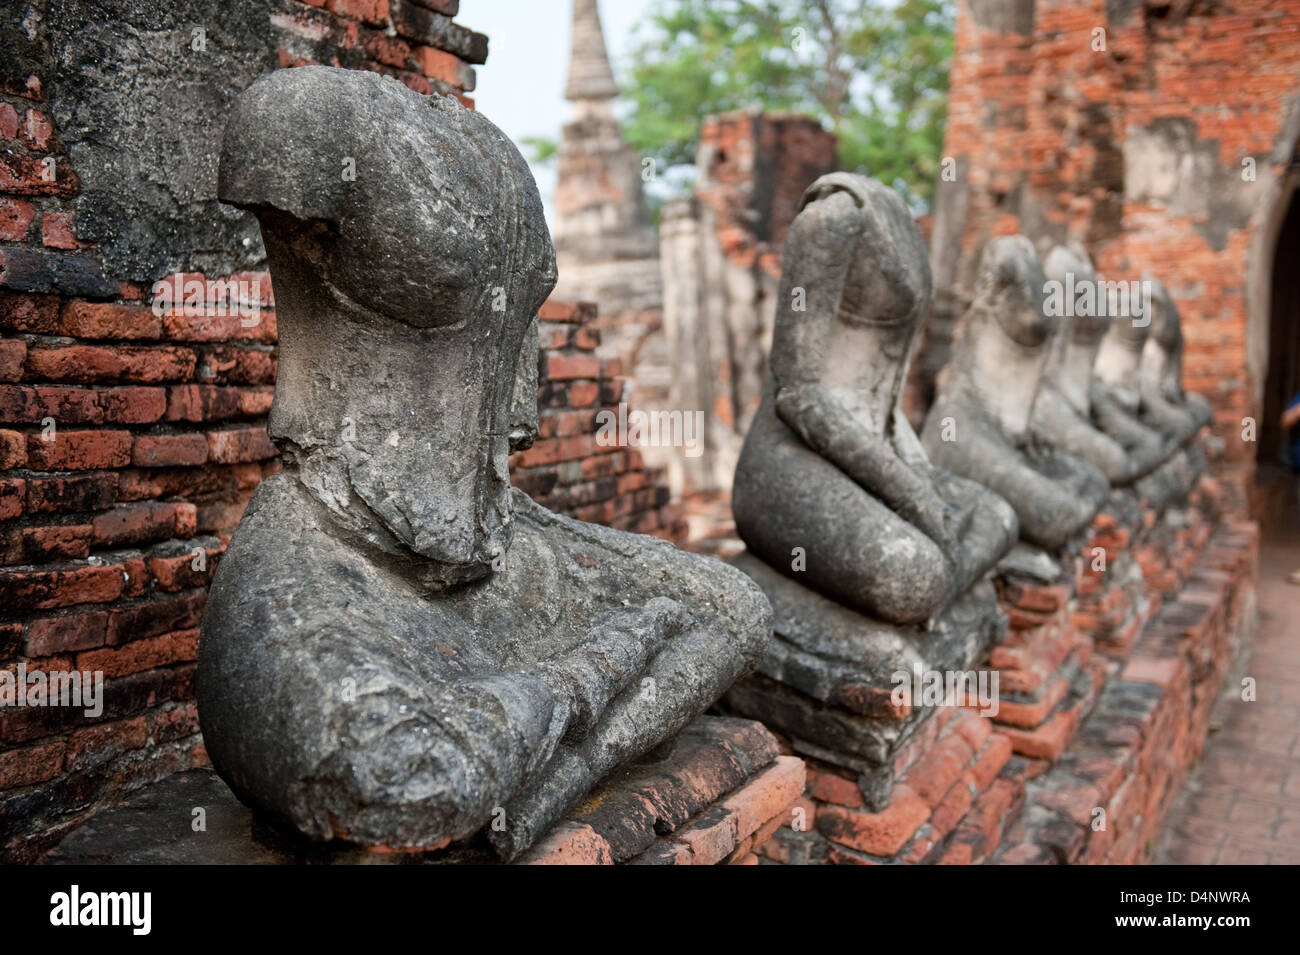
{"points": [[830, 464], [1063, 412], [979, 425], [399, 647]]}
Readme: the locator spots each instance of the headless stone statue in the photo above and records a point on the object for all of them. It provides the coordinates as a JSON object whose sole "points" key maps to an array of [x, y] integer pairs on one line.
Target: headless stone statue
{"points": [[852, 533], [979, 425], [1116, 399], [398, 647], [1119, 409], [1165, 405], [1062, 415], [830, 466]]}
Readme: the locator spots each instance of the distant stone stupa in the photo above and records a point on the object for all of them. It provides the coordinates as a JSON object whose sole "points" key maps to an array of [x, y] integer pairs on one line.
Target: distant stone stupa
{"points": [[605, 246]]}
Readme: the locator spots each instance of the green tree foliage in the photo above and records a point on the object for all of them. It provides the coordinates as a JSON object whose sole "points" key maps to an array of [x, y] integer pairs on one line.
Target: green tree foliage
{"points": [[541, 149], [874, 71]]}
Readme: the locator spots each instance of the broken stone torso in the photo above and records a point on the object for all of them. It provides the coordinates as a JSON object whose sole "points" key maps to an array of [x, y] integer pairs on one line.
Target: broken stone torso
{"points": [[875, 561], [1165, 405], [979, 425], [398, 647], [1062, 411], [830, 468], [1119, 410]]}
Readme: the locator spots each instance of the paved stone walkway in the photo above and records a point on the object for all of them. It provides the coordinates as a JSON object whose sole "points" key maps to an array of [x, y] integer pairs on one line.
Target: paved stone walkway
{"points": [[1242, 805]]}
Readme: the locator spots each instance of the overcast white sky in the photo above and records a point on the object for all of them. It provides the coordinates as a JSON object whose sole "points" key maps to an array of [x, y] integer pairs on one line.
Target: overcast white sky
{"points": [[521, 86]]}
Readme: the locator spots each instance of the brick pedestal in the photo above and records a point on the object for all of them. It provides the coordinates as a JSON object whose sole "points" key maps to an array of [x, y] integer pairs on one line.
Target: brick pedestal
{"points": [[957, 784], [1048, 674], [1105, 799], [717, 798]]}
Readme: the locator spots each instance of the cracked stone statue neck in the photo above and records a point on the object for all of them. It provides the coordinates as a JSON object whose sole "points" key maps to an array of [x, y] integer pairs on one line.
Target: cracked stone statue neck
{"points": [[1004, 373], [1074, 374], [1118, 358], [408, 453], [1160, 370], [865, 367]]}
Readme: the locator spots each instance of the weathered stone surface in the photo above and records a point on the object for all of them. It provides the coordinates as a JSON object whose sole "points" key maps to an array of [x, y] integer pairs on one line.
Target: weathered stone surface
{"points": [[979, 426], [186, 61], [1165, 405], [831, 469], [1062, 415], [1137, 398], [1116, 398], [855, 537], [826, 678], [723, 777], [1133, 419], [398, 647]]}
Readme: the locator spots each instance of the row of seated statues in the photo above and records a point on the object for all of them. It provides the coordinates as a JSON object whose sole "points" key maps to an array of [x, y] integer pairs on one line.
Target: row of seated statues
{"points": [[1039, 419], [401, 650]]}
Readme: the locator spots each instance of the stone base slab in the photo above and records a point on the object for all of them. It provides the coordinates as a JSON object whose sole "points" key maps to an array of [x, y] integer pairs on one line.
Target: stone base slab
{"points": [[715, 797]]}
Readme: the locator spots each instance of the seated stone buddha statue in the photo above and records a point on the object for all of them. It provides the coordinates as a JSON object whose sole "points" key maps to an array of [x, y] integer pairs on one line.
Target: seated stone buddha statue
{"points": [[979, 425], [1119, 411], [830, 465], [1063, 412], [1166, 406], [399, 648], [876, 562]]}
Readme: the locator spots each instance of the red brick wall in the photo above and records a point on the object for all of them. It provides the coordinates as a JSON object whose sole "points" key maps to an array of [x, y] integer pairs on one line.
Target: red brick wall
{"points": [[424, 49], [754, 168], [129, 444], [567, 469], [159, 440], [1046, 135]]}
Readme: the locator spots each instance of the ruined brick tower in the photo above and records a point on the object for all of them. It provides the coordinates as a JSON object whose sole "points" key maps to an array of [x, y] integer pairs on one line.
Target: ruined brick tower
{"points": [[605, 245], [721, 249]]}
